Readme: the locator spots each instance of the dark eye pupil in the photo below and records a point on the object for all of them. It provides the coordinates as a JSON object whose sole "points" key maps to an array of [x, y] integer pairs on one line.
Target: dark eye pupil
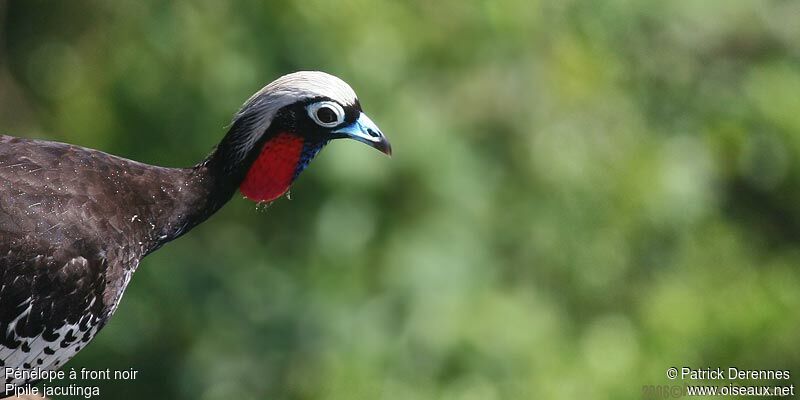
{"points": [[326, 115]]}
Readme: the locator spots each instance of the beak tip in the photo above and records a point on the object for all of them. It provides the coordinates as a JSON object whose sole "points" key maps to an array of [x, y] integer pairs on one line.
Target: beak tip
{"points": [[387, 149]]}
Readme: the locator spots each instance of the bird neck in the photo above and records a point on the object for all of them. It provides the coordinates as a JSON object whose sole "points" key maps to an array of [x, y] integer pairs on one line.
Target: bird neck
{"points": [[262, 171], [188, 197], [197, 193]]}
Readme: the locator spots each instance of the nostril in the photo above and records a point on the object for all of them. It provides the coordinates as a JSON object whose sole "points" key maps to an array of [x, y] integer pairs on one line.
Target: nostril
{"points": [[372, 133]]}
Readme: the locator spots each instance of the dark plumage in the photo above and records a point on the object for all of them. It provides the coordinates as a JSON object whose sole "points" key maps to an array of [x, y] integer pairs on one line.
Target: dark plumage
{"points": [[75, 222]]}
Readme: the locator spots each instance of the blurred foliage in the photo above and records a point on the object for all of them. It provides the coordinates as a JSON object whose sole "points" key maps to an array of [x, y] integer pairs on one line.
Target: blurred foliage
{"points": [[582, 194]]}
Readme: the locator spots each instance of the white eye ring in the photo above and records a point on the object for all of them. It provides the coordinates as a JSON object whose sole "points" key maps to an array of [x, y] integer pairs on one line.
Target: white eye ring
{"points": [[313, 111]]}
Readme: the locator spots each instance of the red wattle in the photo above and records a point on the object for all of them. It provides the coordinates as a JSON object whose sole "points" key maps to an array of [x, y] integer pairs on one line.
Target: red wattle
{"points": [[273, 170]]}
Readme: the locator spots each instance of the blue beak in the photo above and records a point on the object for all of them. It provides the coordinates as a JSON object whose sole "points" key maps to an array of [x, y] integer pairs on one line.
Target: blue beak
{"points": [[365, 131]]}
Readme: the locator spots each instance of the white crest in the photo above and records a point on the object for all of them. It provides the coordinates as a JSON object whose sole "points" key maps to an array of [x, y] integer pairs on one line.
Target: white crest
{"points": [[302, 85]]}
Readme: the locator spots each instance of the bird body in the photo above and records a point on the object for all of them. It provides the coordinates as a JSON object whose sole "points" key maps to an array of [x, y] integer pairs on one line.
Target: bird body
{"points": [[75, 222]]}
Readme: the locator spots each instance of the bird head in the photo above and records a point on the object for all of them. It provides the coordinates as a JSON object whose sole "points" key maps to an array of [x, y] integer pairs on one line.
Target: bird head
{"points": [[280, 129]]}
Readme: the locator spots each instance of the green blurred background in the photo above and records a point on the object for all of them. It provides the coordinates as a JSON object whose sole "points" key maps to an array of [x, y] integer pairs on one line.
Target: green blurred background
{"points": [[583, 194]]}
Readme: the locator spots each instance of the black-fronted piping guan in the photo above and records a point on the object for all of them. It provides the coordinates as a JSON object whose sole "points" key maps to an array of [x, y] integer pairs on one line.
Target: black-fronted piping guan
{"points": [[75, 222]]}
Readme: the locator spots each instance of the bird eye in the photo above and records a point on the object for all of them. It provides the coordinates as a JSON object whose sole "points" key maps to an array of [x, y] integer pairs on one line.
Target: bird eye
{"points": [[326, 113]]}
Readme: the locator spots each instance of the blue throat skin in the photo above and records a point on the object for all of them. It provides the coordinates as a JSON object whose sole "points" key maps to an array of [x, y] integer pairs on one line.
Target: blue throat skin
{"points": [[310, 150]]}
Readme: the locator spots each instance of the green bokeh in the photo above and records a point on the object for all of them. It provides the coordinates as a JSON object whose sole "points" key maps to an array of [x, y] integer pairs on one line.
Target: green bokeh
{"points": [[583, 194]]}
